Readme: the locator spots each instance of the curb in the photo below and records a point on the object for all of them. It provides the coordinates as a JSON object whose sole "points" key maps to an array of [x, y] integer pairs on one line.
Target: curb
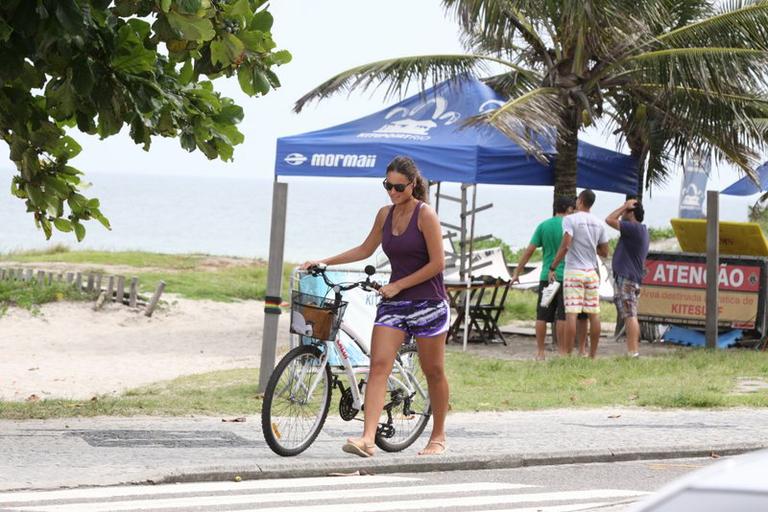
{"points": [[414, 464]]}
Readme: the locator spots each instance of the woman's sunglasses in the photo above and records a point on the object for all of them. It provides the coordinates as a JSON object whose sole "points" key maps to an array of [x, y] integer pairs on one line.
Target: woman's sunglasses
{"points": [[399, 187]]}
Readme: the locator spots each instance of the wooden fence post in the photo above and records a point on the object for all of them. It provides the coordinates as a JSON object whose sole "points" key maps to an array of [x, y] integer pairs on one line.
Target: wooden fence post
{"points": [[120, 289], [134, 290], [155, 298]]}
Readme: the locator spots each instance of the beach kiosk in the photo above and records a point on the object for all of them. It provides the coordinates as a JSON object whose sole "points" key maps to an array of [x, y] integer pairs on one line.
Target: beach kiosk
{"points": [[431, 127], [674, 287]]}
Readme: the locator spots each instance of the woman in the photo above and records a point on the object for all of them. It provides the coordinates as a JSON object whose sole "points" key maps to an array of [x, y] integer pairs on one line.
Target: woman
{"points": [[413, 303]]}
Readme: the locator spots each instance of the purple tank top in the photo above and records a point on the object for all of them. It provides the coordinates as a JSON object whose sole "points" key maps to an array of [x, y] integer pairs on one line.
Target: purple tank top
{"points": [[407, 253]]}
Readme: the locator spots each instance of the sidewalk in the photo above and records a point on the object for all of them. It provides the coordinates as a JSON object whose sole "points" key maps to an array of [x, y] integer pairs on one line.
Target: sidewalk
{"points": [[104, 451]]}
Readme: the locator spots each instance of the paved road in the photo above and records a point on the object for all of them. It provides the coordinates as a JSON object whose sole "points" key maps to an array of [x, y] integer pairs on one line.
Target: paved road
{"points": [[108, 451], [611, 487]]}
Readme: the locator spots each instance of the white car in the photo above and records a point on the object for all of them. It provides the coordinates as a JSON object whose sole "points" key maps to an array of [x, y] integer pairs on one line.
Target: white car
{"points": [[735, 484]]}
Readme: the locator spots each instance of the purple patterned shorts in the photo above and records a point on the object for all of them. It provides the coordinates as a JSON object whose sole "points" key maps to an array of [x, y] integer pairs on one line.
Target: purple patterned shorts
{"points": [[419, 318]]}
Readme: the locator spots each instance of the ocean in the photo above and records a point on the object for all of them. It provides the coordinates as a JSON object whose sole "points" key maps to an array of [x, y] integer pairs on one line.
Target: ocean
{"points": [[231, 216]]}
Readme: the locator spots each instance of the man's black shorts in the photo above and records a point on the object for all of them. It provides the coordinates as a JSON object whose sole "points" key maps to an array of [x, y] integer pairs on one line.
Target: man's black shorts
{"points": [[556, 308]]}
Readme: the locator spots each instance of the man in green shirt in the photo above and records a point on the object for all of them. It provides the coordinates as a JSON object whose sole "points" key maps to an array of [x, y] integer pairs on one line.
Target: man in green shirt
{"points": [[548, 236]]}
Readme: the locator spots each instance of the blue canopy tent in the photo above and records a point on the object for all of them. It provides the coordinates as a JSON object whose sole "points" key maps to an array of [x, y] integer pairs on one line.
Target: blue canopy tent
{"points": [[428, 127], [746, 187]]}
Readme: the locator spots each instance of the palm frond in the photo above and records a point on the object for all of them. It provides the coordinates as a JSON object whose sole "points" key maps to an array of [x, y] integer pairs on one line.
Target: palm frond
{"points": [[702, 124], [531, 121], [400, 73], [503, 20], [740, 24], [513, 84], [711, 69]]}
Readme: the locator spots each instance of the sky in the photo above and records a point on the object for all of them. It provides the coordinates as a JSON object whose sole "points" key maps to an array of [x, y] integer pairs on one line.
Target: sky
{"points": [[325, 38]]}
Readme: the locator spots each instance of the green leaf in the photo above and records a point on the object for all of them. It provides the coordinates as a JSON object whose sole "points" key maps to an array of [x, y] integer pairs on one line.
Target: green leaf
{"points": [[192, 28], [261, 21], [83, 78], [67, 147], [254, 40], [60, 187], [260, 82], [282, 57], [63, 225], [188, 141], [230, 114], [69, 14], [77, 203], [46, 225], [165, 5], [239, 9], [225, 150], [235, 46], [219, 53], [186, 72], [5, 31], [60, 98], [245, 78], [35, 195], [30, 164], [79, 231], [188, 6], [102, 219], [131, 56]]}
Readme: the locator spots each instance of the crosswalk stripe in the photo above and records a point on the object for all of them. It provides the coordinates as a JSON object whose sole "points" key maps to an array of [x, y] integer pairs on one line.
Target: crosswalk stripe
{"points": [[556, 508], [465, 501], [201, 487], [248, 499]]}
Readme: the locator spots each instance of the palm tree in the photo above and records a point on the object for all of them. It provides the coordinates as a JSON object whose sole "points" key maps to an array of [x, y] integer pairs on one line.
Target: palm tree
{"points": [[670, 77]]}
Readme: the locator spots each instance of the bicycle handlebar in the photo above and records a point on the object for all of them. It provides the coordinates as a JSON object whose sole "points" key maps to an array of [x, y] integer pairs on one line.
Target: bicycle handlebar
{"points": [[366, 285]]}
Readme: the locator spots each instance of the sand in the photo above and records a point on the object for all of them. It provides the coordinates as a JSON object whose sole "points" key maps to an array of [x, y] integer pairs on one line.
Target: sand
{"points": [[68, 350]]}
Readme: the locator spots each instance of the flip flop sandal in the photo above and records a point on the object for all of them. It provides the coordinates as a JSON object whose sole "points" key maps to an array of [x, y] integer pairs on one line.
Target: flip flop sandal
{"points": [[441, 444], [361, 449]]}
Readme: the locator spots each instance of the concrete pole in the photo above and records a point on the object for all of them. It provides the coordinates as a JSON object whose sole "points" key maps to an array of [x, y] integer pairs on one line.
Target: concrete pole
{"points": [[713, 266], [274, 282]]}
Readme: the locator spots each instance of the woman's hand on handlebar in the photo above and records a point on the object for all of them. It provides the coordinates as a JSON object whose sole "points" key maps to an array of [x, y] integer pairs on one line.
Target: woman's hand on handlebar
{"points": [[312, 263], [389, 290]]}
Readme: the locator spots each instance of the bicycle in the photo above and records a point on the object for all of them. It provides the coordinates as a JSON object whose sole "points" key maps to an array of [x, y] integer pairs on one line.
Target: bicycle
{"points": [[299, 391]]}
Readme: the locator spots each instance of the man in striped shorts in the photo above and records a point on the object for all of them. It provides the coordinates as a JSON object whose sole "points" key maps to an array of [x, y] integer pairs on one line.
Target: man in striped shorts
{"points": [[584, 239]]}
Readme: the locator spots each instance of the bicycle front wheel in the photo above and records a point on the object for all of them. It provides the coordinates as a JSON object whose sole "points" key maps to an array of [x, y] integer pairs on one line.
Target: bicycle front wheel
{"points": [[408, 411], [296, 401]]}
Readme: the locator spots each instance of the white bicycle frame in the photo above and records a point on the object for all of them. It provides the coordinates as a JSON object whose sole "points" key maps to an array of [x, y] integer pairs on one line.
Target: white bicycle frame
{"points": [[347, 368], [410, 385]]}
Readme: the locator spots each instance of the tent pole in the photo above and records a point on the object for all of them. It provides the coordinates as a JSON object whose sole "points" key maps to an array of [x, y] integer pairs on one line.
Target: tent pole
{"points": [[274, 283], [463, 238], [469, 271]]}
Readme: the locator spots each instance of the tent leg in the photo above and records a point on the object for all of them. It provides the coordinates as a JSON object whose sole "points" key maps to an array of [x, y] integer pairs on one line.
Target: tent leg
{"points": [[274, 283]]}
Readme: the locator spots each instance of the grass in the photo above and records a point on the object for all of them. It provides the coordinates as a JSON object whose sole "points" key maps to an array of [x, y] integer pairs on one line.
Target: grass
{"points": [[685, 378], [199, 276], [193, 276], [29, 295]]}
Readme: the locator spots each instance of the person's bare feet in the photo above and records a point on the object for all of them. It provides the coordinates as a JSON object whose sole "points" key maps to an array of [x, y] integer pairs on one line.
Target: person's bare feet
{"points": [[540, 356], [434, 447]]}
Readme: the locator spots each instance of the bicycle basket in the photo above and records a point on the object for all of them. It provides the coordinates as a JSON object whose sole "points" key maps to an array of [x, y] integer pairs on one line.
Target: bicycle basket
{"points": [[314, 316]]}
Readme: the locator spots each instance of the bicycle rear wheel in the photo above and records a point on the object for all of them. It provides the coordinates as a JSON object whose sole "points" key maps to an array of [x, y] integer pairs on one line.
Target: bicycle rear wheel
{"points": [[407, 413], [291, 417]]}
